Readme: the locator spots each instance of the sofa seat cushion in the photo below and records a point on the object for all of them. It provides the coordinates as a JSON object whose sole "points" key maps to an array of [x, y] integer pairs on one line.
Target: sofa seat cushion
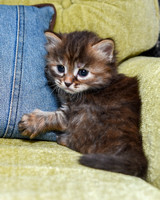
{"points": [[45, 170]]}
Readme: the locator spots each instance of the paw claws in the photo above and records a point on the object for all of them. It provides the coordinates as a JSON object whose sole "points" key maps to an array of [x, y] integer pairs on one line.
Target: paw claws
{"points": [[29, 125]]}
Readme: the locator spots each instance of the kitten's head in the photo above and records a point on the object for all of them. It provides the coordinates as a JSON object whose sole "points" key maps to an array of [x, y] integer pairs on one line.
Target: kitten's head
{"points": [[79, 61]]}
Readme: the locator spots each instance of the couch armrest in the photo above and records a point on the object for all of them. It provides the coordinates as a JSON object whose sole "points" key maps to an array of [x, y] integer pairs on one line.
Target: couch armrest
{"points": [[148, 72]]}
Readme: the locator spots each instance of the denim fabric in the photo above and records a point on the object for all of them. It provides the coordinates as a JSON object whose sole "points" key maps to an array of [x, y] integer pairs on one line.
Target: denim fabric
{"points": [[23, 86]]}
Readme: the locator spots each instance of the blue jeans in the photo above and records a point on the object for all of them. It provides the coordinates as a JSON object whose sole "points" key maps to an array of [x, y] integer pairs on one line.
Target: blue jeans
{"points": [[23, 86]]}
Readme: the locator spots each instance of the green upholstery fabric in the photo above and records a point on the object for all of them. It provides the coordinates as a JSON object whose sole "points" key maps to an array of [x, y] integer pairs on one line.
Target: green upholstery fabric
{"points": [[148, 72], [45, 170]]}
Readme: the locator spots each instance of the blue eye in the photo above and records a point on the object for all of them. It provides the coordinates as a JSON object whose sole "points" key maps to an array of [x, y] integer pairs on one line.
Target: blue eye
{"points": [[61, 68], [83, 72]]}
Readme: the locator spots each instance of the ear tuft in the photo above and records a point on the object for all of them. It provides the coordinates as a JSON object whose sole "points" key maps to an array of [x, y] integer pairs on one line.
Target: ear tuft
{"points": [[53, 40], [105, 49]]}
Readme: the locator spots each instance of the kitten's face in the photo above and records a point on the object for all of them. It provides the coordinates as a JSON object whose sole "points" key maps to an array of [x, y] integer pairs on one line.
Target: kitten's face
{"points": [[79, 61]]}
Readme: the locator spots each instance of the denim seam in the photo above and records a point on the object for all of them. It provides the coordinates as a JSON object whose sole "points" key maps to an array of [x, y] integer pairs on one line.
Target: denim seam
{"points": [[14, 76], [21, 65]]}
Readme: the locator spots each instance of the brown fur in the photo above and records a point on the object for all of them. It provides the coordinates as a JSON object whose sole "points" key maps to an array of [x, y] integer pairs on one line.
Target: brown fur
{"points": [[102, 118]]}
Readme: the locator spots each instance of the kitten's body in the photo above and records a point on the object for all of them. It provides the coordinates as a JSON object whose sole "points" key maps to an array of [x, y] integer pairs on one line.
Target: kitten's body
{"points": [[100, 113]]}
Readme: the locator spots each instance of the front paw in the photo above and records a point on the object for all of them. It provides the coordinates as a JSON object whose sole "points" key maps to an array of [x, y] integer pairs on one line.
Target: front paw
{"points": [[32, 124]]}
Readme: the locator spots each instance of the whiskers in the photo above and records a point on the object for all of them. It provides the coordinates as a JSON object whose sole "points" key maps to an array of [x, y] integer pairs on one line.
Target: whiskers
{"points": [[53, 87], [76, 97], [57, 90]]}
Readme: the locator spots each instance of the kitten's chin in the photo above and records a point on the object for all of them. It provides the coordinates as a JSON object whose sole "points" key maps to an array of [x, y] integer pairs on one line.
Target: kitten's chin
{"points": [[67, 90], [70, 91]]}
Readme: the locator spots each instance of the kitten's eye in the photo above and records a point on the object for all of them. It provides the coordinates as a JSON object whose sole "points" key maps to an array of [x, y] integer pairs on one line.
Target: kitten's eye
{"points": [[60, 68], [83, 72]]}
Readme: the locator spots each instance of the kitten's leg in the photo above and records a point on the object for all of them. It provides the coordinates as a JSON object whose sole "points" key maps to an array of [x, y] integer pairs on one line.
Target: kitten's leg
{"points": [[38, 121], [63, 139]]}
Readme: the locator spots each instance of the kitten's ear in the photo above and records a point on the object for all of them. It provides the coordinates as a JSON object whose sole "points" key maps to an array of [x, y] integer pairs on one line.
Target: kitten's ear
{"points": [[105, 48], [53, 40]]}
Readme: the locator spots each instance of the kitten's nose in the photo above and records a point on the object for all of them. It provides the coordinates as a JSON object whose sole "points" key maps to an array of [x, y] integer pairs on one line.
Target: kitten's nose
{"points": [[68, 84]]}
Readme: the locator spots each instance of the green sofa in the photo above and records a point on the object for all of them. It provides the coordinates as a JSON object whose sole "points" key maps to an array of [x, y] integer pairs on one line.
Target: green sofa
{"points": [[44, 170]]}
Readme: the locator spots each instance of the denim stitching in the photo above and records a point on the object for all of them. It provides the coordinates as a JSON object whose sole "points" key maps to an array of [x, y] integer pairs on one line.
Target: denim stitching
{"points": [[21, 65], [14, 76]]}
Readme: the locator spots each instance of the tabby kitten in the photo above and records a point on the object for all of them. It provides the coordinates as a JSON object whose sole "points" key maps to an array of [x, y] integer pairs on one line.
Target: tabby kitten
{"points": [[100, 111]]}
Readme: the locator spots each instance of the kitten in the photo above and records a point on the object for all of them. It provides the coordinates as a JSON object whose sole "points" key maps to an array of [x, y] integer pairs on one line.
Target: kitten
{"points": [[100, 111]]}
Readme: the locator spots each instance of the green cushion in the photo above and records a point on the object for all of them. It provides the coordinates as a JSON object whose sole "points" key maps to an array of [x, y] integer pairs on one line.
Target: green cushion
{"points": [[47, 171]]}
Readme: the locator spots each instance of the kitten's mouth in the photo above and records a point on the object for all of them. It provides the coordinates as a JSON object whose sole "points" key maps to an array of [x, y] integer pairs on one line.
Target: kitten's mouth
{"points": [[66, 89]]}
